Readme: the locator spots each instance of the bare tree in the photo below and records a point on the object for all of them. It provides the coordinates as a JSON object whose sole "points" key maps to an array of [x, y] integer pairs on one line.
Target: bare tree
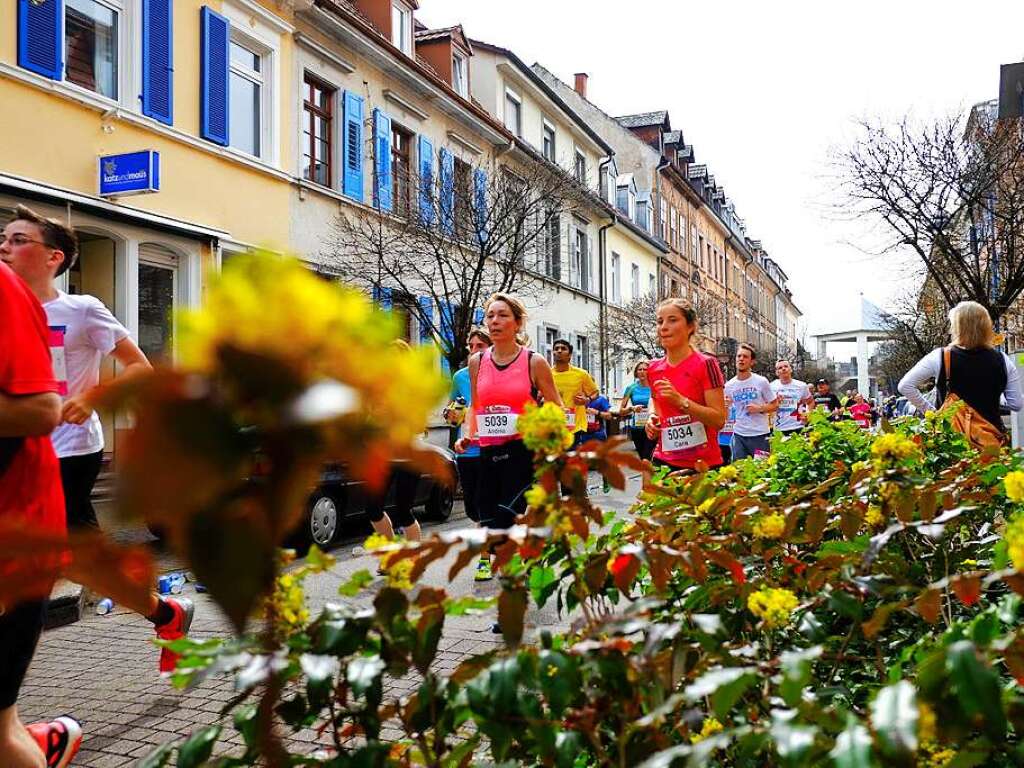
{"points": [[917, 324], [439, 247], [952, 192]]}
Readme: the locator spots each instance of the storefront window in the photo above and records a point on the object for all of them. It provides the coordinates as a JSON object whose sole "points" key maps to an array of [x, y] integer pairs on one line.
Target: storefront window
{"points": [[90, 46]]}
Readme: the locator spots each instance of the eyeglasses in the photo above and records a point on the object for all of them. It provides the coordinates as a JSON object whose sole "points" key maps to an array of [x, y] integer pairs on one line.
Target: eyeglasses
{"points": [[19, 239]]}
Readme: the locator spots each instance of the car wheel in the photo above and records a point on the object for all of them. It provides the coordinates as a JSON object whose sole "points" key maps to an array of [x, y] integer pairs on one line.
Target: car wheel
{"points": [[439, 505], [323, 519]]}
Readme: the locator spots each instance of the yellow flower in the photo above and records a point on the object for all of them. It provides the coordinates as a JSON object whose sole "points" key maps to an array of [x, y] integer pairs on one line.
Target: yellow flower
{"points": [[769, 526], [931, 755], [711, 726], [1014, 536], [860, 465], [926, 723], [376, 541], [892, 447], [728, 472], [705, 506], [398, 574], [543, 428], [1014, 484], [773, 606], [874, 517], [536, 496]]}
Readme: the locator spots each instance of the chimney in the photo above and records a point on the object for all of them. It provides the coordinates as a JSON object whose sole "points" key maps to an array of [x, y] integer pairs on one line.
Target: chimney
{"points": [[581, 84]]}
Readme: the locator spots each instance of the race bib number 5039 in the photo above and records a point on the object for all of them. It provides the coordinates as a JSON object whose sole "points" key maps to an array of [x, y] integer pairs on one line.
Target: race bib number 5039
{"points": [[683, 436], [494, 423]]}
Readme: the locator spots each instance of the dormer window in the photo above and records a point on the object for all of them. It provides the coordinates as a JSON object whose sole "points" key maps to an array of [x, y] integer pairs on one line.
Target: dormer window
{"points": [[460, 76], [401, 27]]}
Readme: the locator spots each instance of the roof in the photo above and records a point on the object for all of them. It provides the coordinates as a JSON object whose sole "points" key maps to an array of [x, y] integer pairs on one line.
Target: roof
{"points": [[673, 137], [430, 35], [644, 119], [546, 89]]}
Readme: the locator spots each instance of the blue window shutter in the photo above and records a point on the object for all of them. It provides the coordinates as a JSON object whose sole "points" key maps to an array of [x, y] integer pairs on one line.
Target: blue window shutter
{"points": [[426, 319], [382, 296], [448, 323], [41, 37], [446, 176], [478, 316], [480, 203], [157, 60], [382, 160], [426, 191], [352, 146], [214, 88]]}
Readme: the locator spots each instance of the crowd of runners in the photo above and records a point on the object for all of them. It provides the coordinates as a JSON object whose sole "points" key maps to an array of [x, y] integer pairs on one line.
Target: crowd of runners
{"points": [[680, 412]]}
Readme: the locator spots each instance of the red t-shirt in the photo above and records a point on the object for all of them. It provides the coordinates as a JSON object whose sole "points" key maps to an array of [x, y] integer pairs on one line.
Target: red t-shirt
{"points": [[30, 484], [861, 413], [683, 440]]}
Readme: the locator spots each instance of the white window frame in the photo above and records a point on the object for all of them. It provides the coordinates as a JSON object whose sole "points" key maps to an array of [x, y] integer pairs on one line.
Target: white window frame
{"points": [[518, 100], [402, 42], [616, 288], [458, 59], [652, 283], [551, 333], [581, 351], [548, 127], [255, 47], [634, 280], [128, 48], [577, 156]]}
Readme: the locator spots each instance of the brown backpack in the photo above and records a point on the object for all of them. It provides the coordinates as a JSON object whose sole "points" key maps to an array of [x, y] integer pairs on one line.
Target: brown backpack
{"points": [[980, 432]]}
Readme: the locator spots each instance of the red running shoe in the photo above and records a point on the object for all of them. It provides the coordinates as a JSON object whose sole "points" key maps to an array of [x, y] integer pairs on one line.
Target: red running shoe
{"points": [[174, 629], [59, 739]]}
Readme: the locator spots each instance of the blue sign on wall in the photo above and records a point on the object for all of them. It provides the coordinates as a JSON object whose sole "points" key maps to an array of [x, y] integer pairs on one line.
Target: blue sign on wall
{"points": [[131, 173]]}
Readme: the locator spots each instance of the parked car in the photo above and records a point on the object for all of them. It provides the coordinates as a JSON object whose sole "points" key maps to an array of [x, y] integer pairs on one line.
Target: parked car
{"points": [[338, 498]]}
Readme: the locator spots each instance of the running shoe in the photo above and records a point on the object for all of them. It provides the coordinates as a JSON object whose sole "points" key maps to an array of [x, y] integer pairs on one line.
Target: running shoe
{"points": [[174, 629], [59, 739], [483, 570]]}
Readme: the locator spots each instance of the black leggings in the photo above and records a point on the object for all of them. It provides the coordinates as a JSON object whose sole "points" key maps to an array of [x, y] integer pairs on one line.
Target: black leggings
{"points": [[506, 472], [19, 633], [78, 475], [643, 444], [469, 478], [405, 482]]}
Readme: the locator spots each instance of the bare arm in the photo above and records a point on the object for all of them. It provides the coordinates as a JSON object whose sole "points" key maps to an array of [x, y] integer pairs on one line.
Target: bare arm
{"points": [[540, 373], [79, 408], [29, 415]]}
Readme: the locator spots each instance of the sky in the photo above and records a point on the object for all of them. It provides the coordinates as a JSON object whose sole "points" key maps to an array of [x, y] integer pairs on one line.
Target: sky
{"points": [[765, 91]]}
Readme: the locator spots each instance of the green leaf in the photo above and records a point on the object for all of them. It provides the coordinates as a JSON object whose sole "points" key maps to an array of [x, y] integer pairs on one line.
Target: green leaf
{"points": [[727, 694], [792, 742], [458, 754], [363, 673], [709, 682], [198, 747], [977, 687], [319, 560], [853, 746], [668, 757], [245, 723], [542, 583], [796, 672], [356, 583], [894, 716], [158, 757], [468, 606]]}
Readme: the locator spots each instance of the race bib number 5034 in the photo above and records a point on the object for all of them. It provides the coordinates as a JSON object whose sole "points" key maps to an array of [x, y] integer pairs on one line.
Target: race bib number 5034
{"points": [[680, 436]]}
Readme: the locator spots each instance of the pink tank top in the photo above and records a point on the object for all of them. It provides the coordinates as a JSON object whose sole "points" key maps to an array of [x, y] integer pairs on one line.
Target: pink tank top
{"points": [[501, 395]]}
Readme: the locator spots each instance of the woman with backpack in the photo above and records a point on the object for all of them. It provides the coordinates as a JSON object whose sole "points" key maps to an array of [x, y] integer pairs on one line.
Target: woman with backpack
{"points": [[971, 371]]}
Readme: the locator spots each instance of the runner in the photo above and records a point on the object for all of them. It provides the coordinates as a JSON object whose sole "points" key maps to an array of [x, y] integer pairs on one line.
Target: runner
{"points": [[754, 400], [725, 434], [861, 411], [82, 333], [825, 398], [503, 379], [30, 492], [794, 399], [636, 402], [599, 413], [576, 387], [687, 396], [468, 463]]}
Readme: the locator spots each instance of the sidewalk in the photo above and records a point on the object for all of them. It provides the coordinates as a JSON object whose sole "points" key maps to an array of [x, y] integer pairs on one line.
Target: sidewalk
{"points": [[103, 669]]}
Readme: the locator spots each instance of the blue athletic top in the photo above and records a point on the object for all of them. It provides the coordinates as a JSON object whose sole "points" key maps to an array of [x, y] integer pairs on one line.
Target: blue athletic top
{"points": [[600, 404], [462, 387]]}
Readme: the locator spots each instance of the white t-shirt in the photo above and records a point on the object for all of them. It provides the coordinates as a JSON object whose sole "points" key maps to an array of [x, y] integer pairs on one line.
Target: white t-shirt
{"points": [[791, 395], [82, 332], [754, 390]]}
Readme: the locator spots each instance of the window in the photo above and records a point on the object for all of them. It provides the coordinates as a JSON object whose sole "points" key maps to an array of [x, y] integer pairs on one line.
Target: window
{"points": [[246, 99], [317, 131], [551, 257], [90, 46], [463, 191], [580, 260], [663, 224], [513, 113], [673, 224], [616, 288], [634, 281], [580, 168], [401, 163], [401, 28], [460, 78], [548, 141], [643, 215], [581, 352], [550, 336], [652, 284]]}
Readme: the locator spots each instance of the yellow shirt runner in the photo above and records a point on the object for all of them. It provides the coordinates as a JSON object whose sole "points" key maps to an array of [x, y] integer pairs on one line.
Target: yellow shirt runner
{"points": [[571, 383]]}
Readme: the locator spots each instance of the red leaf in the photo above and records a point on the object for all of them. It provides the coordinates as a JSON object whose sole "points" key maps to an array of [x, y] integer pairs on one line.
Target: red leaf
{"points": [[730, 563], [928, 604], [968, 589], [624, 569]]}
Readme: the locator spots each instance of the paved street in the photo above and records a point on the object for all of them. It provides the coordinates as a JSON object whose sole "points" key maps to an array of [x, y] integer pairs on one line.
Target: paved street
{"points": [[103, 669]]}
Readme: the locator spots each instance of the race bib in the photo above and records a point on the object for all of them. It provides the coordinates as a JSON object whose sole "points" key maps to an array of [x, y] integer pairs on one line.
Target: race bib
{"points": [[497, 421], [640, 418], [58, 359], [787, 404], [682, 436], [570, 417]]}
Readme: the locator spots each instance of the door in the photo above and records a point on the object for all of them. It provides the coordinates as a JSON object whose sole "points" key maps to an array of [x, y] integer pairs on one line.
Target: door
{"points": [[158, 293]]}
